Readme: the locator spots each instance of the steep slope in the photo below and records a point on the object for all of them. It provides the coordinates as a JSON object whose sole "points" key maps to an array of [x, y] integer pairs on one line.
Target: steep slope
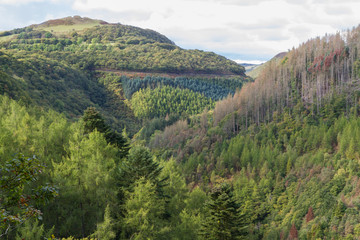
{"points": [[35, 79], [287, 142]]}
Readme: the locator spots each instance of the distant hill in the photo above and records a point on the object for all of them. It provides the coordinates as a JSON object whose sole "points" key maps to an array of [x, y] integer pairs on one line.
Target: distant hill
{"points": [[254, 71], [249, 66], [114, 46]]}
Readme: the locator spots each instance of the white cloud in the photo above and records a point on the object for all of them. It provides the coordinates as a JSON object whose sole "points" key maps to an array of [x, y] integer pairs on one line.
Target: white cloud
{"points": [[20, 2], [232, 27]]}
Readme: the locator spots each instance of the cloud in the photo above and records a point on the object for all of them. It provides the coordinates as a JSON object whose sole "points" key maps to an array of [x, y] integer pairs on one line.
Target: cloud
{"points": [[338, 10], [236, 28], [242, 2], [22, 2]]}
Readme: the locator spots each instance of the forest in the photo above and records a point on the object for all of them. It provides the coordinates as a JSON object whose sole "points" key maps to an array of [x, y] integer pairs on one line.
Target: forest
{"points": [[89, 152]]}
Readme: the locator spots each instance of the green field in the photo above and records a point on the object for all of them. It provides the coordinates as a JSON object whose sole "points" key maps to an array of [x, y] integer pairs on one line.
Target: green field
{"points": [[7, 38], [63, 29]]}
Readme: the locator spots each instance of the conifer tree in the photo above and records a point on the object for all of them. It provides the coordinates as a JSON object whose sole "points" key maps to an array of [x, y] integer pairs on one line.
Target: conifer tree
{"points": [[105, 229], [93, 120], [145, 212], [224, 220]]}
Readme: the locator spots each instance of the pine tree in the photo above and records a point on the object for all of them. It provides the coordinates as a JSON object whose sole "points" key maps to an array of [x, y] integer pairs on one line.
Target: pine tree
{"points": [[224, 220], [93, 120], [139, 163]]}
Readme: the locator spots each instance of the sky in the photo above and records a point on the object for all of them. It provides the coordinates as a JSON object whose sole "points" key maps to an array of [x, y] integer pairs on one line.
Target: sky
{"points": [[242, 30]]}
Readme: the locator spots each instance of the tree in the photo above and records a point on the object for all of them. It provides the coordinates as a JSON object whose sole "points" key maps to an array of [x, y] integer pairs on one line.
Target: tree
{"points": [[310, 215], [138, 164], [16, 203], [224, 220], [105, 229], [145, 212], [85, 179], [293, 232], [32, 230], [93, 120]]}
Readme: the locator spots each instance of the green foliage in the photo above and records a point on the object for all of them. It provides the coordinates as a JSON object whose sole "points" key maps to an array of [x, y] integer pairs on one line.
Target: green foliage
{"points": [[145, 212], [105, 230], [32, 230], [167, 100], [139, 164], [123, 47], [287, 144], [86, 181], [214, 88], [17, 205], [94, 121], [35, 79], [224, 220]]}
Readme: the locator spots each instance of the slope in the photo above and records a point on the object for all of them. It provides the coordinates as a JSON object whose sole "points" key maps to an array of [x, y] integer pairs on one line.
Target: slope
{"points": [[115, 46], [35, 79], [287, 143], [83, 52], [255, 72]]}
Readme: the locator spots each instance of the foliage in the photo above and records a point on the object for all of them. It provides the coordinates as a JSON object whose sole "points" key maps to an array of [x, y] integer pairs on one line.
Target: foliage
{"points": [[167, 100], [145, 212], [223, 220], [105, 229], [94, 121], [17, 204], [58, 86], [123, 47], [32, 230], [214, 88], [284, 147]]}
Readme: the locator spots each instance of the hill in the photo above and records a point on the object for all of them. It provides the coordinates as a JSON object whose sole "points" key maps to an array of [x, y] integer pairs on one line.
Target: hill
{"points": [[115, 46], [255, 71], [133, 79], [86, 59], [277, 158], [284, 142]]}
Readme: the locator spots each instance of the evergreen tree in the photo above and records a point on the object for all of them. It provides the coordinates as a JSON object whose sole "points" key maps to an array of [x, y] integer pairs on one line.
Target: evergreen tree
{"points": [[105, 229], [145, 212], [138, 164], [93, 120], [224, 220]]}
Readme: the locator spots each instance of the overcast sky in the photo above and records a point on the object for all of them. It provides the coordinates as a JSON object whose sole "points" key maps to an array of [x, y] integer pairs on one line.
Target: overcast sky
{"points": [[238, 29]]}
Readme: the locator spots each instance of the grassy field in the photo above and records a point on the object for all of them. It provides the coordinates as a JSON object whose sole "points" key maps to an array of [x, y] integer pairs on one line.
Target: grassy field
{"points": [[62, 26], [6, 38], [64, 29]]}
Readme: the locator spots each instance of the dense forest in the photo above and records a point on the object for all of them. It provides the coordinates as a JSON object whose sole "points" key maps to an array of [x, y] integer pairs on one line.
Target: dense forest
{"points": [[156, 142]]}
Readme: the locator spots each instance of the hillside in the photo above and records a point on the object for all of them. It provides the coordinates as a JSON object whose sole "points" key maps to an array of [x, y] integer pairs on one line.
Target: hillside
{"points": [[255, 72], [73, 60], [114, 46], [287, 143], [210, 154]]}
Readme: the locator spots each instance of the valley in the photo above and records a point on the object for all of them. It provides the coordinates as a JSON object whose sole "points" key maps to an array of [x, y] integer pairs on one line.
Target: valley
{"points": [[110, 131]]}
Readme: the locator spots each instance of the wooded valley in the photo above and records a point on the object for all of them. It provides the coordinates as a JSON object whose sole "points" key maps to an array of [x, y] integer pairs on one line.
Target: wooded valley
{"points": [[114, 132]]}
